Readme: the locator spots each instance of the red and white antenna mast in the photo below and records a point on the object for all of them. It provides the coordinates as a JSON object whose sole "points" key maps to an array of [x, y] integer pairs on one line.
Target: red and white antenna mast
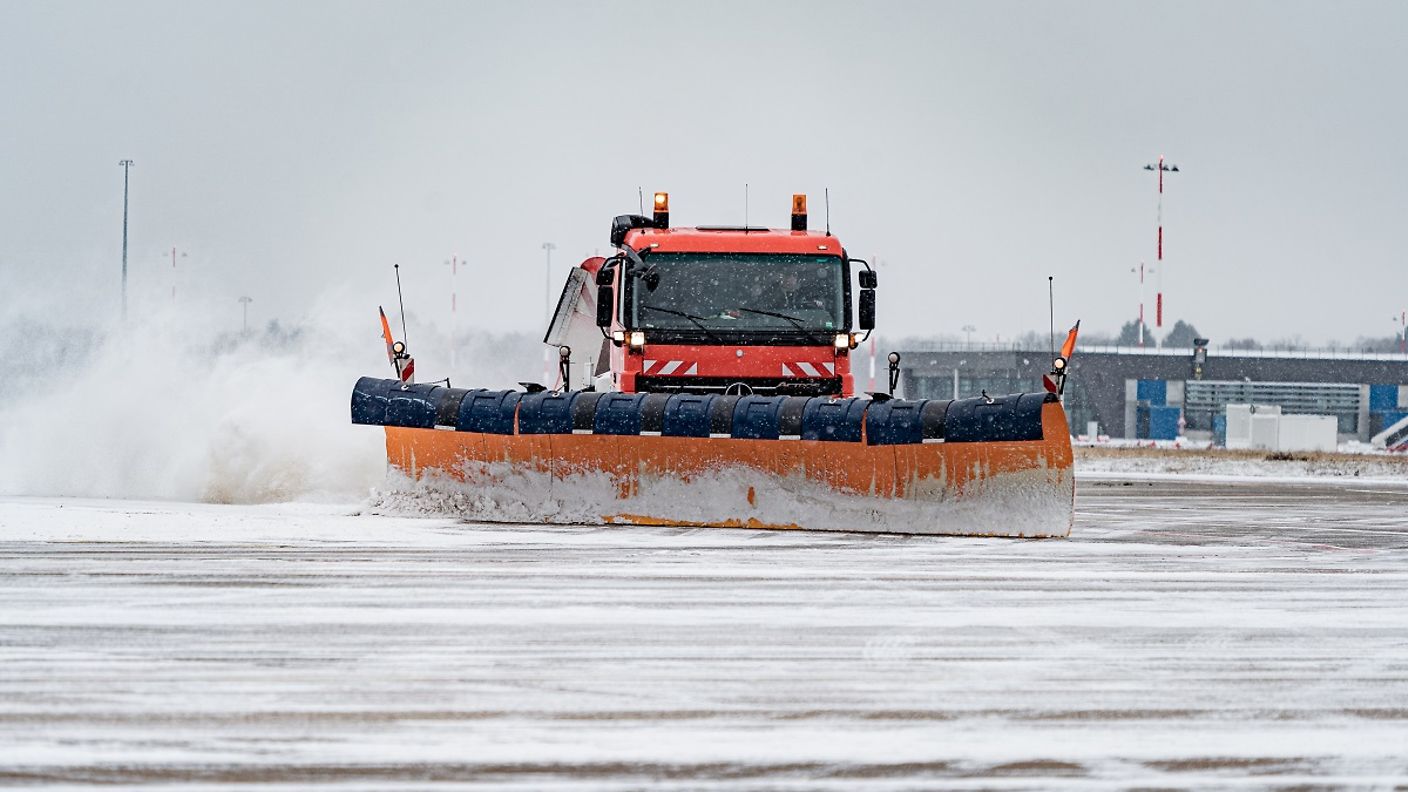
{"points": [[1161, 169]]}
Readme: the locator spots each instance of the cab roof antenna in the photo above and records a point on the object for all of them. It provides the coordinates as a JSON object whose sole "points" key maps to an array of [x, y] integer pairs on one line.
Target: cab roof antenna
{"points": [[745, 207], [826, 191], [1051, 308], [401, 302], [640, 194]]}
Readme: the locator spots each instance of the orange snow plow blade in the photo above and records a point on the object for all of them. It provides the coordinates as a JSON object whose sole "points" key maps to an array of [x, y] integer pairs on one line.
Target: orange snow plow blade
{"points": [[852, 464]]}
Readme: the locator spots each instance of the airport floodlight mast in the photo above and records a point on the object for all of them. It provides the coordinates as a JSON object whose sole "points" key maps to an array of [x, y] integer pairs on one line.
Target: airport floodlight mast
{"points": [[126, 168], [1161, 168], [968, 331], [245, 301]]}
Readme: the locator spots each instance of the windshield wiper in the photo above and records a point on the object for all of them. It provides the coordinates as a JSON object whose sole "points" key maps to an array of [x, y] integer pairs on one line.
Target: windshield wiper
{"points": [[794, 320], [697, 320]]}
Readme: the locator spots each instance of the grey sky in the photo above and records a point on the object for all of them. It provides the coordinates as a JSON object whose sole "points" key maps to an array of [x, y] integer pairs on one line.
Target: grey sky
{"points": [[296, 149]]}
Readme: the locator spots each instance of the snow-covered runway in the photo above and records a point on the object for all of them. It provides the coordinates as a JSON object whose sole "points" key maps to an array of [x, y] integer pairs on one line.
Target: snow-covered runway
{"points": [[1187, 634]]}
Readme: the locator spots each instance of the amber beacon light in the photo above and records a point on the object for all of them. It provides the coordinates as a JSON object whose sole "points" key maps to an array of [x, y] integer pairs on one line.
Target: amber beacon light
{"points": [[799, 212], [662, 210]]}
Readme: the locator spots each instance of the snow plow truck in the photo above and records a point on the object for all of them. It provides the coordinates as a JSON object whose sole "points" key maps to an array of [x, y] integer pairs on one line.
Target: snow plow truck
{"points": [[705, 379]]}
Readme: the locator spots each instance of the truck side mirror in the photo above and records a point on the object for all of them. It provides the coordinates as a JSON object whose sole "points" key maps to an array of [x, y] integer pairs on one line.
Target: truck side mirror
{"points": [[867, 309], [867, 279], [605, 303], [606, 292]]}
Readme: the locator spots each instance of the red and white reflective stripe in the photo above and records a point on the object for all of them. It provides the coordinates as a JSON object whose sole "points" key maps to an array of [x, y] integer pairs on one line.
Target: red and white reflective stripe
{"points": [[808, 369], [668, 367], [408, 372]]}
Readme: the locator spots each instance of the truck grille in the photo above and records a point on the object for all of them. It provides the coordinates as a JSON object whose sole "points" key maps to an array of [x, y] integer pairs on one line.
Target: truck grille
{"points": [[760, 386]]}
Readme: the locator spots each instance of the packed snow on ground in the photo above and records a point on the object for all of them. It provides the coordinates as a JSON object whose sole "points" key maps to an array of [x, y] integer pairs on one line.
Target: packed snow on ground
{"points": [[1185, 635]]}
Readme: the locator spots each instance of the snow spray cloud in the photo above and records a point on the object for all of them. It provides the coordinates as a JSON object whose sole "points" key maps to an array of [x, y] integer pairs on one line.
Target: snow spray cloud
{"points": [[170, 404], [165, 405]]}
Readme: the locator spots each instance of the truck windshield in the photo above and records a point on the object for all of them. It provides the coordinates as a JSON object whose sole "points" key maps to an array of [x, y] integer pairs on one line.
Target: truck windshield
{"points": [[738, 291]]}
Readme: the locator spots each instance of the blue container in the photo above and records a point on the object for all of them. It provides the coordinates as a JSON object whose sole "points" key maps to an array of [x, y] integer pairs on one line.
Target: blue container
{"points": [[369, 398], [488, 412], [1163, 422], [1155, 392], [618, 414], [837, 420], [895, 422], [546, 412], [687, 415], [1219, 430], [1016, 417], [1383, 398], [758, 417], [413, 407]]}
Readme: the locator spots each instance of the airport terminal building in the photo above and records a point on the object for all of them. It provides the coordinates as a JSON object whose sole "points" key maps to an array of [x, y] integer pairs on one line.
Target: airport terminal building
{"points": [[1160, 393]]}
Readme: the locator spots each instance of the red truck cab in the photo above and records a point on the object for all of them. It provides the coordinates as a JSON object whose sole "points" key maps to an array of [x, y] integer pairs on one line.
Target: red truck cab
{"points": [[718, 309]]}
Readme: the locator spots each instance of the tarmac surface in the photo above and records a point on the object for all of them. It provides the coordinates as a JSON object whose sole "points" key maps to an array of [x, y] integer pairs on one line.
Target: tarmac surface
{"points": [[1248, 635]]}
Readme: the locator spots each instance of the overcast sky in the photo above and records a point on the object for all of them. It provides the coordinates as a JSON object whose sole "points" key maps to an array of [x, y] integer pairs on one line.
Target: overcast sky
{"points": [[297, 150]]}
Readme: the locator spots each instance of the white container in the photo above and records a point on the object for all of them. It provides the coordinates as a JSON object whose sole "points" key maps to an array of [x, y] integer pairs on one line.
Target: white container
{"points": [[1266, 431], [1239, 422], [1307, 433], [1239, 426]]}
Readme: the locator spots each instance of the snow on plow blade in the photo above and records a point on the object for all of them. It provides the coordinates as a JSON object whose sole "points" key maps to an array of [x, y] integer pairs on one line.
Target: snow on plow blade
{"points": [[999, 467]]}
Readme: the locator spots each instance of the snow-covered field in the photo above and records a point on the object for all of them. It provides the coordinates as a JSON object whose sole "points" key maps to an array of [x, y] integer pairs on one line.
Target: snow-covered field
{"points": [[1188, 634], [1223, 465]]}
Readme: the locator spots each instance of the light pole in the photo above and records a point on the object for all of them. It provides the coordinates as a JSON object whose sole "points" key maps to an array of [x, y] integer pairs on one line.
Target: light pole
{"points": [[548, 248], [1142, 271], [454, 265], [1161, 169], [173, 271], [1402, 322], [968, 331], [245, 301], [126, 168]]}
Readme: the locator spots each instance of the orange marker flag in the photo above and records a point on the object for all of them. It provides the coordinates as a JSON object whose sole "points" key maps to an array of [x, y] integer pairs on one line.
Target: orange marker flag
{"points": [[386, 334], [1066, 349]]}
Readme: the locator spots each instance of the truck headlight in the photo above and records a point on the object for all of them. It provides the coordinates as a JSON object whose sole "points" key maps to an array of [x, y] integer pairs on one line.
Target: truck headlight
{"points": [[842, 341], [637, 339]]}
